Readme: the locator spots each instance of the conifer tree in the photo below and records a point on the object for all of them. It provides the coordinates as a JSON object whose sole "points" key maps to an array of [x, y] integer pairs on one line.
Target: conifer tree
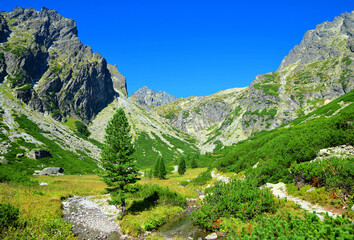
{"points": [[157, 167], [182, 166], [194, 163], [162, 169], [118, 165]]}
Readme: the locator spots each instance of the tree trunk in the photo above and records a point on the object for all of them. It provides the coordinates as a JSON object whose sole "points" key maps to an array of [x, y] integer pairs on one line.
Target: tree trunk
{"points": [[123, 207]]}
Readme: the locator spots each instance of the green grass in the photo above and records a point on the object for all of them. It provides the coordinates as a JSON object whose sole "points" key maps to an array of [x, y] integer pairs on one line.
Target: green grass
{"points": [[40, 206]]}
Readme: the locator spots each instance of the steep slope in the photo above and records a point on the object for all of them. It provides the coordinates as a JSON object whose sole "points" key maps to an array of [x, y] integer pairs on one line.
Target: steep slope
{"points": [[152, 136], [146, 96], [43, 60], [314, 73], [24, 130]]}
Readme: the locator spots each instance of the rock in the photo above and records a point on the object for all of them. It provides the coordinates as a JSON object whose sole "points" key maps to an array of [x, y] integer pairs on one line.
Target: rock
{"points": [[39, 153], [352, 209], [224, 179], [43, 184], [311, 189], [146, 96], [49, 171], [20, 155], [211, 236], [4, 161]]}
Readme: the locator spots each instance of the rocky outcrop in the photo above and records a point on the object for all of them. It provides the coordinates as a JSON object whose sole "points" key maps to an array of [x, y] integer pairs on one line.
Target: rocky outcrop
{"points": [[119, 81], [146, 96], [50, 69]]}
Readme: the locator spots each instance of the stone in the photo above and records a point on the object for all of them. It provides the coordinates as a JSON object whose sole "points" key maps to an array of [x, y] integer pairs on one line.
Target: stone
{"points": [[20, 155], [146, 96], [39, 153], [352, 209], [211, 236], [50, 171], [311, 189], [43, 184]]}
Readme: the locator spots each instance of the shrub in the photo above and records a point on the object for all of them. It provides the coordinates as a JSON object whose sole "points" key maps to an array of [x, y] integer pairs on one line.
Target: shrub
{"points": [[237, 199], [82, 128], [8, 215], [202, 178]]}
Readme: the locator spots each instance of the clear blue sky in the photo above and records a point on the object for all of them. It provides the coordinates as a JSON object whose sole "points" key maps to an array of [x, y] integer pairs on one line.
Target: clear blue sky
{"points": [[191, 48]]}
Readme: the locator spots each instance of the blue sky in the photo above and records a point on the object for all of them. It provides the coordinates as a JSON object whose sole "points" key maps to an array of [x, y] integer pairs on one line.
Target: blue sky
{"points": [[191, 48]]}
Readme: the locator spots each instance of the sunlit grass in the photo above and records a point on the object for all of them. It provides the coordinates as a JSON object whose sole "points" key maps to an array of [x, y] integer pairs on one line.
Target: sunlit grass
{"points": [[173, 180], [40, 206]]}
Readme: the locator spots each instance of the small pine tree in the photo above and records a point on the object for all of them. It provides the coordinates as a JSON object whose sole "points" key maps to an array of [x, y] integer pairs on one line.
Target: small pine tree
{"points": [[150, 174], [162, 169], [118, 165], [157, 167], [194, 163], [182, 166]]}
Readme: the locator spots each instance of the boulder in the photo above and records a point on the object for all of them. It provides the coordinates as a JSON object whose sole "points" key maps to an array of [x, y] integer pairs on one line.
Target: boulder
{"points": [[20, 155], [211, 236], [50, 171], [40, 153]]}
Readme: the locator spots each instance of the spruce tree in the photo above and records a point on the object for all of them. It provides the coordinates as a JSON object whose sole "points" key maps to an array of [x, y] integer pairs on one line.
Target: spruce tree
{"points": [[157, 167], [182, 166], [162, 169], [118, 165], [194, 163]]}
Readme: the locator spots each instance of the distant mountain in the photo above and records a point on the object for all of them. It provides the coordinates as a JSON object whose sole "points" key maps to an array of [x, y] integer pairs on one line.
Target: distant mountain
{"points": [[147, 96], [314, 73]]}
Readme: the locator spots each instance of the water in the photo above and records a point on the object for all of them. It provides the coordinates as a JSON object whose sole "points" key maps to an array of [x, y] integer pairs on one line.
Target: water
{"points": [[182, 226]]}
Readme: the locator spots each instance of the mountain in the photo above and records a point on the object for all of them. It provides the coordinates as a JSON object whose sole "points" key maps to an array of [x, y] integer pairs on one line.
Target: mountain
{"points": [[314, 73], [44, 62], [147, 96]]}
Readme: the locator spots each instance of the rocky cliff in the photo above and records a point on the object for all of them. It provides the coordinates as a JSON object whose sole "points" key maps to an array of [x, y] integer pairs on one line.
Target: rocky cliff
{"points": [[44, 62], [314, 73], [146, 96]]}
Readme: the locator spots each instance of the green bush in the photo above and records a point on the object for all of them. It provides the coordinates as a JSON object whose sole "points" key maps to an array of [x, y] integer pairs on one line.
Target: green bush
{"points": [[335, 173], [82, 128], [237, 199], [289, 227], [152, 195], [202, 178], [8, 216]]}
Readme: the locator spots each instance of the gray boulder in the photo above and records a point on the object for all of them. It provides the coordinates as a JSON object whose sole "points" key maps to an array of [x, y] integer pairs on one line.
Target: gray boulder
{"points": [[50, 171], [40, 153]]}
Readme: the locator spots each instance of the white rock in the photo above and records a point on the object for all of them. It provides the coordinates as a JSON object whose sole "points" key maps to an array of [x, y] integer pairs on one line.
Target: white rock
{"points": [[43, 184], [211, 236]]}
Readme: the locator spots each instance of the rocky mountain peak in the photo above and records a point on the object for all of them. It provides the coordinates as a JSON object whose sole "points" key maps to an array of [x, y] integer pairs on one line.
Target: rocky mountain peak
{"points": [[147, 96], [44, 62], [328, 39]]}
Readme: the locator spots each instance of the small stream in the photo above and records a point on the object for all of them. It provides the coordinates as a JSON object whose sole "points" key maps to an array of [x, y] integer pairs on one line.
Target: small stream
{"points": [[182, 226]]}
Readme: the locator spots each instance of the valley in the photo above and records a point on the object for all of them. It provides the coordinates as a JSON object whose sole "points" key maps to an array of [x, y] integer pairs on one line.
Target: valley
{"points": [[259, 159]]}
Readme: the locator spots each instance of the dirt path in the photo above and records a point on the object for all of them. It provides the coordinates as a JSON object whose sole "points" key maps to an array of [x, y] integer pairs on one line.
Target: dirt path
{"points": [[91, 218], [279, 190]]}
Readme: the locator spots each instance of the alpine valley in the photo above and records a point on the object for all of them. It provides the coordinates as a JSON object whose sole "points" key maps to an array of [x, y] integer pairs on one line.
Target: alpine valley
{"points": [[57, 97]]}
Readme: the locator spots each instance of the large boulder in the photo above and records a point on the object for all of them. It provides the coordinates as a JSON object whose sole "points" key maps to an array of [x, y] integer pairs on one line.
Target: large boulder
{"points": [[40, 153], [50, 171]]}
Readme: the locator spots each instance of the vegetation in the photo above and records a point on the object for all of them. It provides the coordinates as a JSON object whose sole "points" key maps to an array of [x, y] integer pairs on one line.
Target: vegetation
{"points": [[82, 128], [118, 165], [182, 166], [237, 199]]}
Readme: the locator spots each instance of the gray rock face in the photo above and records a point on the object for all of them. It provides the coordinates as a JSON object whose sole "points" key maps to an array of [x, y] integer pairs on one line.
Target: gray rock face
{"points": [[119, 81], [50, 171], [146, 96], [312, 46], [44, 56]]}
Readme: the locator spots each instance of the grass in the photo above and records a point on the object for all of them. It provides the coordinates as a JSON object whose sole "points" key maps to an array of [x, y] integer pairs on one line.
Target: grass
{"points": [[40, 206], [173, 182]]}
